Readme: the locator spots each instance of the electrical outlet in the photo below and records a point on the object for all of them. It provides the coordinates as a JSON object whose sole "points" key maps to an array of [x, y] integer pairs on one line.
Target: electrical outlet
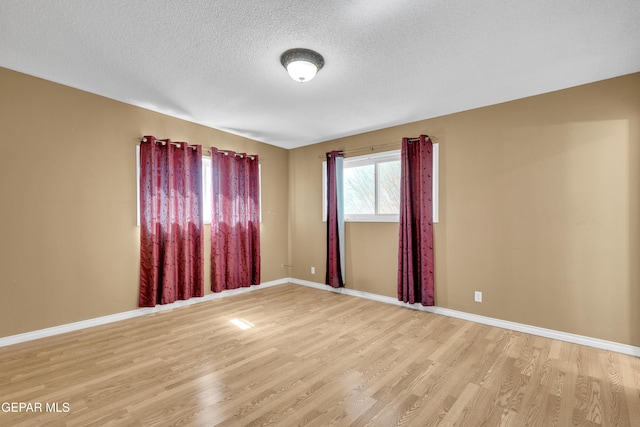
{"points": [[313, 270], [477, 296]]}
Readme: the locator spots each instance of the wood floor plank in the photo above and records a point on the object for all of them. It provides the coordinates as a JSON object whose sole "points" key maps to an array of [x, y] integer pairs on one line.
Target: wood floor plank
{"points": [[290, 355]]}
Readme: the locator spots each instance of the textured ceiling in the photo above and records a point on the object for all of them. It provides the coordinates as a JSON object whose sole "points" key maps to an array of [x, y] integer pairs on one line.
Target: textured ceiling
{"points": [[217, 63]]}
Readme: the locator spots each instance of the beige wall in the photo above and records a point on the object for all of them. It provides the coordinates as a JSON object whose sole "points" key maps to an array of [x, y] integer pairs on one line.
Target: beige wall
{"points": [[538, 207], [538, 210], [69, 245]]}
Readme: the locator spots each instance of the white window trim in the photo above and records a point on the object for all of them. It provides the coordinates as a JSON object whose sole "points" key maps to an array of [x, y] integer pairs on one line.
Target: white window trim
{"points": [[381, 157], [435, 181]]}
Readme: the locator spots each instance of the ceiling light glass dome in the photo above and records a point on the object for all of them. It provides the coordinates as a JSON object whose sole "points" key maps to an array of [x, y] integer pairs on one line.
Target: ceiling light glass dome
{"points": [[302, 64]]}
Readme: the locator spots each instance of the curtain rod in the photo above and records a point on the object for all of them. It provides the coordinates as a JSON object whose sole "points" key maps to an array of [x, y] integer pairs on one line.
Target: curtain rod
{"points": [[208, 150], [164, 141], [227, 152], [375, 147]]}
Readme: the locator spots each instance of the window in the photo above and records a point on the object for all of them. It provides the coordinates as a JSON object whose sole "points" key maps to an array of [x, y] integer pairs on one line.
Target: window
{"points": [[372, 187], [207, 192], [206, 187]]}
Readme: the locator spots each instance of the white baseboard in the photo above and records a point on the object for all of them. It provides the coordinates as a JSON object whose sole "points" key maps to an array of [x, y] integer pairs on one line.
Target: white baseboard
{"points": [[533, 330], [69, 327], [520, 327]]}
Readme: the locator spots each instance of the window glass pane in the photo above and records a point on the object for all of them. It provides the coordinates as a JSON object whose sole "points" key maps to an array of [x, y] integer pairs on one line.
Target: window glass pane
{"points": [[359, 190], [206, 189], [389, 187]]}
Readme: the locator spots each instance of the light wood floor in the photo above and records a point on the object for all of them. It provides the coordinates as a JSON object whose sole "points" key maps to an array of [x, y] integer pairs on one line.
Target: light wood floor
{"points": [[314, 358]]}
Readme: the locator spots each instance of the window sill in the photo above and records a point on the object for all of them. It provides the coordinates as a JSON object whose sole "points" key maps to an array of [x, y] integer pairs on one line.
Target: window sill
{"points": [[373, 219]]}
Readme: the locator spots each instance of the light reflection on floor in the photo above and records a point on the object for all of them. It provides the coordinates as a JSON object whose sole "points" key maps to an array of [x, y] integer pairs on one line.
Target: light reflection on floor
{"points": [[242, 324]]}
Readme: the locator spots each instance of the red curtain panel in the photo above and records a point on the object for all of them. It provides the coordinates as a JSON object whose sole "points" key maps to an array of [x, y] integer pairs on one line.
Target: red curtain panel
{"points": [[171, 237], [335, 222], [235, 222], [415, 252]]}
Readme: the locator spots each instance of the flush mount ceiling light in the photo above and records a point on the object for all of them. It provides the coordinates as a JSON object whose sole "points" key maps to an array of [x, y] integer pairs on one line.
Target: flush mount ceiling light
{"points": [[302, 64]]}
